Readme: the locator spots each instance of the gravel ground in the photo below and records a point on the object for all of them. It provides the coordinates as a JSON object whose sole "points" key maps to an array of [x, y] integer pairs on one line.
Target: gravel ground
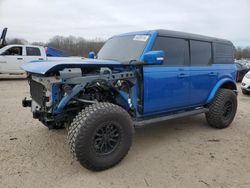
{"points": [[178, 153]]}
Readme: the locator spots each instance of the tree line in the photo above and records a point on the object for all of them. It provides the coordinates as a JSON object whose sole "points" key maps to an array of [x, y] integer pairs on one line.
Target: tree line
{"points": [[71, 45], [242, 53], [78, 46]]}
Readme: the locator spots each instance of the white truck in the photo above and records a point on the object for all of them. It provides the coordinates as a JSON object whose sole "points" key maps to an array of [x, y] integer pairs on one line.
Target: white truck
{"points": [[13, 56]]}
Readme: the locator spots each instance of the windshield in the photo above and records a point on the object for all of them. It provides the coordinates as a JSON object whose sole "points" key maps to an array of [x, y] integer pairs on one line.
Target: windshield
{"points": [[123, 48]]}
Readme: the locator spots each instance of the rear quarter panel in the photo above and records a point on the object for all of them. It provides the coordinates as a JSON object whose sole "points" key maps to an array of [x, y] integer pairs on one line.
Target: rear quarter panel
{"points": [[227, 74]]}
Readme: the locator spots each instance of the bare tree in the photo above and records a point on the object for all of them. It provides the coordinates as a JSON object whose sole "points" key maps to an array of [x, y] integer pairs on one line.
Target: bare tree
{"points": [[16, 41], [71, 45], [75, 45], [38, 43], [242, 53]]}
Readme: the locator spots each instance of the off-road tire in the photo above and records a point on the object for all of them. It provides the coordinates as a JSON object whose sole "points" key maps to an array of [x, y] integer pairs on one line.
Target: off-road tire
{"points": [[82, 131], [223, 109]]}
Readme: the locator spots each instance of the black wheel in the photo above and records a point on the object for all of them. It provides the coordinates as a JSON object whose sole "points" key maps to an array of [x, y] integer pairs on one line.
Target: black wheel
{"points": [[245, 92], [223, 109], [100, 136]]}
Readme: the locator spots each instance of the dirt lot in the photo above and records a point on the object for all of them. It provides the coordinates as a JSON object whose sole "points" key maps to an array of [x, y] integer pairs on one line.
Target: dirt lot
{"points": [[178, 153]]}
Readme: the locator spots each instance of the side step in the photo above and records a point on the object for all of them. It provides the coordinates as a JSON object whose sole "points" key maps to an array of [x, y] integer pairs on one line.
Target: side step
{"points": [[142, 123]]}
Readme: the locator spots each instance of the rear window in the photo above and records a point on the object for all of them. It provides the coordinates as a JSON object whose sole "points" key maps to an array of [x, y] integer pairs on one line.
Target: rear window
{"points": [[201, 53], [31, 51], [224, 53]]}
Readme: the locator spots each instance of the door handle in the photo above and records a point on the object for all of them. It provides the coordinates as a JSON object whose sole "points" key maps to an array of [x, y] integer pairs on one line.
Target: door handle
{"points": [[19, 58], [40, 59], [182, 75], [213, 74]]}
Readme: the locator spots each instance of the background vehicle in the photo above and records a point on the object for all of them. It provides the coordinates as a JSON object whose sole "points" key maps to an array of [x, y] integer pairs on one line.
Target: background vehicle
{"points": [[245, 62], [137, 79], [13, 56], [245, 85], [241, 71]]}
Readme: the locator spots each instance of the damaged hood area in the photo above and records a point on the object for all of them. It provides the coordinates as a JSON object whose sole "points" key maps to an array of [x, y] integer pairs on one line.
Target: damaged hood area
{"points": [[45, 67]]}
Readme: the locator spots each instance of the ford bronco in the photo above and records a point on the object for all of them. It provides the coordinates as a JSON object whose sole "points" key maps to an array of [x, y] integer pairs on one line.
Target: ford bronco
{"points": [[136, 79]]}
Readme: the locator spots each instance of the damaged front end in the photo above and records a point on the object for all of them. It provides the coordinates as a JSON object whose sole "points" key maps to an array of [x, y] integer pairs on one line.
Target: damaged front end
{"points": [[57, 98]]}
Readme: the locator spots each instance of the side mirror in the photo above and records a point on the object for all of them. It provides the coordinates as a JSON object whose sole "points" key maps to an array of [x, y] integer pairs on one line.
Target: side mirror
{"points": [[154, 57], [91, 55]]}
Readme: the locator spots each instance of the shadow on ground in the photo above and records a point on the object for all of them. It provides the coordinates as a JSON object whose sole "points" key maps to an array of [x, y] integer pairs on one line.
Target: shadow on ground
{"points": [[6, 77]]}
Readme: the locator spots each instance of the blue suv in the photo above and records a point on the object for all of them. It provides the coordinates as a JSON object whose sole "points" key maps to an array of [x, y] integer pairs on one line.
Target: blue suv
{"points": [[135, 79]]}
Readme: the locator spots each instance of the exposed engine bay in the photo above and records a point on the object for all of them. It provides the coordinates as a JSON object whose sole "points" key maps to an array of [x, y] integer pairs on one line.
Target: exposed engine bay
{"points": [[61, 96]]}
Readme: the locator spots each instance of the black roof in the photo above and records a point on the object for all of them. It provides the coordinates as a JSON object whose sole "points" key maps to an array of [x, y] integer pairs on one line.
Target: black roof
{"points": [[178, 34]]}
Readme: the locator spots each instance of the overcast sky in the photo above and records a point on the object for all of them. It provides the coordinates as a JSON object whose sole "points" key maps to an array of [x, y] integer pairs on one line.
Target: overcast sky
{"points": [[39, 20]]}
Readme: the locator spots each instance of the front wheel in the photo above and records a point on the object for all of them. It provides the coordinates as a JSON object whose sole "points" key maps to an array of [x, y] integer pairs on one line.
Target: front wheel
{"points": [[223, 109], [100, 136]]}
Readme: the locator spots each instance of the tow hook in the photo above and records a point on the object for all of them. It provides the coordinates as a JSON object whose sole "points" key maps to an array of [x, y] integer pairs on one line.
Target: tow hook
{"points": [[26, 103]]}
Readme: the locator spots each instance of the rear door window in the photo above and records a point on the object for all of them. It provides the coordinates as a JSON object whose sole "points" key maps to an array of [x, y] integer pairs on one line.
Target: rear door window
{"points": [[32, 51], [176, 50], [201, 53]]}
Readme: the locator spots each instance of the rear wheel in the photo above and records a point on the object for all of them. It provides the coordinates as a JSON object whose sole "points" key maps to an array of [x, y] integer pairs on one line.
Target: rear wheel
{"points": [[100, 136], [223, 109]]}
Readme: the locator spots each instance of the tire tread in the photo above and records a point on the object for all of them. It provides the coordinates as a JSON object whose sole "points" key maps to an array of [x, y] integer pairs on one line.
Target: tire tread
{"points": [[83, 121]]}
